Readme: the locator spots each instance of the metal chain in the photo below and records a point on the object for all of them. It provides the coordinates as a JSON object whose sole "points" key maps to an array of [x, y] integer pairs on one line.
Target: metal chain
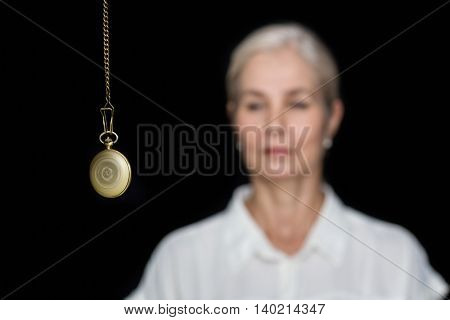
{"points": [[106, 49], [108, 137]]}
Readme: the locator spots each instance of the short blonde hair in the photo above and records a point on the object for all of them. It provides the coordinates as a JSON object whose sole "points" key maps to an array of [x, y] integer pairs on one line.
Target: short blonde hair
{"points": [[274, 36]]}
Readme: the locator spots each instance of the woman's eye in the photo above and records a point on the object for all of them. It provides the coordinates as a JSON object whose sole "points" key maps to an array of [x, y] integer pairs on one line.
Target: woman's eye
{"points": [[253, 106], [299, 104]]}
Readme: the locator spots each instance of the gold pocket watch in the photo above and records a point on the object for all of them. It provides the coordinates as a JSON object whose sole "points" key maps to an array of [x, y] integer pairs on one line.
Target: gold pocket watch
{"points": [[110, 171]]}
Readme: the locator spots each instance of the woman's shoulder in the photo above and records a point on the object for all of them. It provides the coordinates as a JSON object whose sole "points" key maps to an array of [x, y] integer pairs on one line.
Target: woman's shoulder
{"points": [[397, 246], [202, 233], [379, 232]]}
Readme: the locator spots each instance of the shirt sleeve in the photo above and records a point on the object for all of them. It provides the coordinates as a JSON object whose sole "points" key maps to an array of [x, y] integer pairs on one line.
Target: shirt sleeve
{"points": [[158, 281], [425, 282]]}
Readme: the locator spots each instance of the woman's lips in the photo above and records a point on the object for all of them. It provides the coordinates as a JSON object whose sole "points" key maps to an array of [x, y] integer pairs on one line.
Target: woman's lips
{"points": [[276, 150]]}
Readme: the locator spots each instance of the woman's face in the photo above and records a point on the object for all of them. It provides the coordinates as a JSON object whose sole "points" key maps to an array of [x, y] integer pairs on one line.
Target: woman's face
{"points": [[281, 123]]}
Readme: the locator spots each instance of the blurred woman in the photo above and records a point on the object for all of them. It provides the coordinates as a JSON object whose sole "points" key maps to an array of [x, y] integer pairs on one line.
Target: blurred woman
{"points": [[287, 235]]}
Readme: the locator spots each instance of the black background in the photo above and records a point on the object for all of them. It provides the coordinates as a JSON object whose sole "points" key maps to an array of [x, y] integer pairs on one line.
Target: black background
{"points": [[388, 160]]}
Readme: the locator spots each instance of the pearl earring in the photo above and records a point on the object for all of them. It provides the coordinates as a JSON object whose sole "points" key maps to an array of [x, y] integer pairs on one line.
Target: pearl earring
{"points": [[327, 143]]}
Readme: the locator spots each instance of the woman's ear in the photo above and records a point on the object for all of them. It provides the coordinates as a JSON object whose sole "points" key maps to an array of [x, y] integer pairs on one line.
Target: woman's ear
{"points": [[335, 117], [231, 109]]}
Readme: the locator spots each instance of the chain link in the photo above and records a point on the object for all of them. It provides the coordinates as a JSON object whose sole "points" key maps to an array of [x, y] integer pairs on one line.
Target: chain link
{"points": [[106, 50], [108, 137]]}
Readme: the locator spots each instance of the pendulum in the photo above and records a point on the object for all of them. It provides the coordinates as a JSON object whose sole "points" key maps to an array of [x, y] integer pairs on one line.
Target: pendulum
{"points": [[110, 171]]}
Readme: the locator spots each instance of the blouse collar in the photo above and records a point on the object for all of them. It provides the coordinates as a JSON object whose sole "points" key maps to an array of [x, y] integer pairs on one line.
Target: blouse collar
{"points": [[244, 238]]}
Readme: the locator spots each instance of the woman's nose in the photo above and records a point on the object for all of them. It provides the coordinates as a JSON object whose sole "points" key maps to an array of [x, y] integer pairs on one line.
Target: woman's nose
{"points": [[275, 127], [275, 118]]}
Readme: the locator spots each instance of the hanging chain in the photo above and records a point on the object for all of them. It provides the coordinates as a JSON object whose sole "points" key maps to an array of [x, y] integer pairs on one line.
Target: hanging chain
{"points": [[108, 137], [106, 49]]}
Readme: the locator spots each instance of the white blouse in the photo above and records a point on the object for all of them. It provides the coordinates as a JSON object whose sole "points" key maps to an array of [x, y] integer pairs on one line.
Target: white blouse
{"points": [[346, 255]]}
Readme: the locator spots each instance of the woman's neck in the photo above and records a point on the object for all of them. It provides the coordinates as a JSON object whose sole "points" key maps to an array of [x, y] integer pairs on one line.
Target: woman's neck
{"points": [[285, 209]]}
